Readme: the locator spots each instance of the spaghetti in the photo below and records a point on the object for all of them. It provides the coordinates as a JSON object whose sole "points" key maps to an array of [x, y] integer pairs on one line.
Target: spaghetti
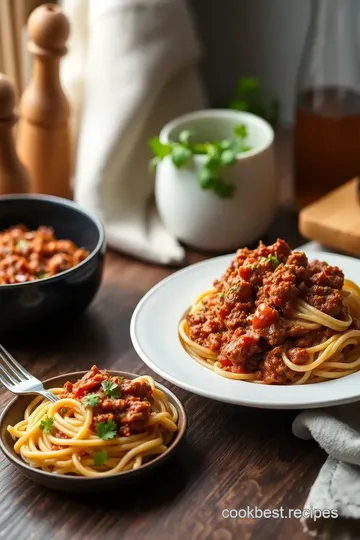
{"points": [[275, 318], [72, 437]]}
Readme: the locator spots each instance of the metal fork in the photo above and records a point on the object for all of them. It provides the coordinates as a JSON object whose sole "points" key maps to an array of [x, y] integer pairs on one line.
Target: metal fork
{"points": [[19, 381]]}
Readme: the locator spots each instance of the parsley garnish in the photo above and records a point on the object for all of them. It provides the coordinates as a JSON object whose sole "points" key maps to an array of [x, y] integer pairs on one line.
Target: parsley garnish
{"points": [[106, 430], [63, 411], [111, 389], [41, 275], [234, 287], [120, 380], [22, 245], [91, 400], [100, 457], [273, 259], [221, 294], [253, 266], [219, 155], [46, 426]]}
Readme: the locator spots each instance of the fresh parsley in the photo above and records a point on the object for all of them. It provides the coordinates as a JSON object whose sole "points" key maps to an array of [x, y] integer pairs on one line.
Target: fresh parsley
{"points": [[250, 98], [63, 411], [106, 430], [41, 275], [273, 259], [91, 400], [22, 245], [46, 425], [219, 155], [111, 389], [100, 457], [221, 294], [234, 288]]}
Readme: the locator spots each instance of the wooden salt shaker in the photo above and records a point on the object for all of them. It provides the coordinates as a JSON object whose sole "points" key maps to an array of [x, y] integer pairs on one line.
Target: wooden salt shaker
{"points": [[13, 176], [43, 139]]}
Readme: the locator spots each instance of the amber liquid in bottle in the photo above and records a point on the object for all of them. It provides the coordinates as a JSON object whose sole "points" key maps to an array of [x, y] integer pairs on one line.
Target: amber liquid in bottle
{"points": [[327, 141]]}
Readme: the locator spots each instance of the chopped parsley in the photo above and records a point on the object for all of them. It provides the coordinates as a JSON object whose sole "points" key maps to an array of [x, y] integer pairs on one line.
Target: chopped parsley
{"points": [[120, 380], [273, 259], [106, 430], [41, 275], [100, 457], [91, 400], [22, 245], [221, 294], [46, 425], [253, 266], [111, 389], [234, 288], [63, 411]]}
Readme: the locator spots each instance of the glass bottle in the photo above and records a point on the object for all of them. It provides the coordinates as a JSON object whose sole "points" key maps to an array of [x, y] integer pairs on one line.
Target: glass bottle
{"points": [[327, 117]]}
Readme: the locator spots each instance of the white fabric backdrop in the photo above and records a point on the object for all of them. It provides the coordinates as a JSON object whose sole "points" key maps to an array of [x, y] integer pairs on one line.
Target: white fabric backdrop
{"points": [[132, 66]]}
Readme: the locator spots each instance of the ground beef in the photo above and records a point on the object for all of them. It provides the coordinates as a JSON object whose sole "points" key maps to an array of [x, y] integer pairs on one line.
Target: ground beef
{"points": [[330, 276], [325, 299], [315, 337], [298, 356], [236, 318], [273, 369], [239, 292], [280, 289], [129, 409], [251, 315], [316, 266], [239, 350]]}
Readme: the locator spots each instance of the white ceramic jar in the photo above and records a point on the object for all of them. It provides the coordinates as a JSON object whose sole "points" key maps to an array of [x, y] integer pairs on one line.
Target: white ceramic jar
{"points": [[201, 218]]}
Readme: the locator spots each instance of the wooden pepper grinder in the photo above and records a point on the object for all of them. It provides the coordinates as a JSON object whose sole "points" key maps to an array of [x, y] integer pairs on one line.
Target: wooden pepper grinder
{"points": [[13, 176], [43, 139]]}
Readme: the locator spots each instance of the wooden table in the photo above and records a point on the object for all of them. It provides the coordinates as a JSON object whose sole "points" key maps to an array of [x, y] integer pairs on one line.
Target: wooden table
{"points": [[233, 457]]}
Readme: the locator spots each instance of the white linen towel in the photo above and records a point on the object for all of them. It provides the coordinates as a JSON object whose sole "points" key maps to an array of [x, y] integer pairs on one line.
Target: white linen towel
{"points": [[140, 72]]}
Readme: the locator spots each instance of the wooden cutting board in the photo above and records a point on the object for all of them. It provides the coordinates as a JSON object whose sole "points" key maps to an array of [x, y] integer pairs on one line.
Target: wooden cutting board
{"points": [[334, 220]]}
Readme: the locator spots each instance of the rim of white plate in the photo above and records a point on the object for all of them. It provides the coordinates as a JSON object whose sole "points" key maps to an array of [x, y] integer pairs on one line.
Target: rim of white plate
{"points": [[213, 386]]}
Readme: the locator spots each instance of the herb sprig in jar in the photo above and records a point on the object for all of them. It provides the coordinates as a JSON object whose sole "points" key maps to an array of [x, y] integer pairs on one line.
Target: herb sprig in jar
{"points": [[219, 154]]}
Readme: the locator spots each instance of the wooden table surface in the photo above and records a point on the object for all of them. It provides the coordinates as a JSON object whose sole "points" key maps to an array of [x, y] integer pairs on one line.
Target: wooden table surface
{"points": [[233, 457]]}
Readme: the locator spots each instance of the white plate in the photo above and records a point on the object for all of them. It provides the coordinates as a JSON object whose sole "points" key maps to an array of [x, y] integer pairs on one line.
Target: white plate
{"points": [[154, 333]]}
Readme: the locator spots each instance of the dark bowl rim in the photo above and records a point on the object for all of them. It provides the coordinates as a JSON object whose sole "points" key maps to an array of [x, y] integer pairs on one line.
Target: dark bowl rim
{"points": [[42, 474], [59, 201]]}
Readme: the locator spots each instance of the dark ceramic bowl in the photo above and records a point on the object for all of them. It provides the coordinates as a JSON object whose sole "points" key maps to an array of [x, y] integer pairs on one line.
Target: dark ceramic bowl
{"points": [[34, 306], [14, 412]]}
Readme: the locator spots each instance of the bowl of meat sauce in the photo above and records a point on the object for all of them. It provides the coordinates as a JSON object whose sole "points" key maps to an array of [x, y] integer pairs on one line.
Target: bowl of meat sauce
{"points": [[51, 262]]}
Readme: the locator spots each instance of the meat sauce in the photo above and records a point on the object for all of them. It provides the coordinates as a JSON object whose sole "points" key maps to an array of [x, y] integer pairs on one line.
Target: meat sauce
{"points": [[129, 406], [249, 318], [30, 255]]}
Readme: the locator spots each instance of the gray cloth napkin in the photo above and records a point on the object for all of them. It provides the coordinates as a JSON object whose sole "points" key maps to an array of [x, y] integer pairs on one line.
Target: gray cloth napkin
{"points": [[337, 430]]}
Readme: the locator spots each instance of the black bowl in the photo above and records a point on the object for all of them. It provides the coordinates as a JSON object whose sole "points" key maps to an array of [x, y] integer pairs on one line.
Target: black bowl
{"points": [[33, 307]]}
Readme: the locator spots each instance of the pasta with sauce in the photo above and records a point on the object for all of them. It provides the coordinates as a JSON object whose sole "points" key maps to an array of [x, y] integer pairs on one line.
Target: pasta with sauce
{"points": [[276, 318], [100, 426]]}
